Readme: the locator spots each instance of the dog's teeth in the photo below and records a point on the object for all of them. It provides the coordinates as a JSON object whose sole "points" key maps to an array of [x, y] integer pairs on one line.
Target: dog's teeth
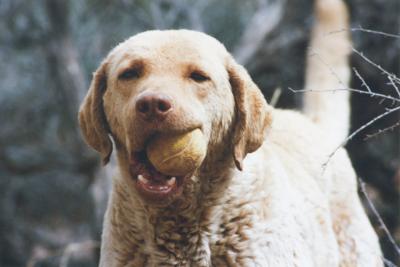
{"points": [[142, 179], [171, 181]]}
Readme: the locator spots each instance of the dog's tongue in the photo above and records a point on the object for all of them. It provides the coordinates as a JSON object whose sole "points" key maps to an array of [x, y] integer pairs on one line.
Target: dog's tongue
{"points": [[148, 178], [153, 181]]}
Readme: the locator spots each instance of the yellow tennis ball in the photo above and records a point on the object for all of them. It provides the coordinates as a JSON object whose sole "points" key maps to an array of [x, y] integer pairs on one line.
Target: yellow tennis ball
{"points": [[177, 155]]}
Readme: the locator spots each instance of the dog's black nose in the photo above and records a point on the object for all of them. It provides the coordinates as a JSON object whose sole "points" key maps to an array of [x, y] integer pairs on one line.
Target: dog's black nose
{"points": [[153, 106]]}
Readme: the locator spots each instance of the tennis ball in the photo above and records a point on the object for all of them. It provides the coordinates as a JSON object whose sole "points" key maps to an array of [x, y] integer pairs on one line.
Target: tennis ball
{"points": [[177, 155]]}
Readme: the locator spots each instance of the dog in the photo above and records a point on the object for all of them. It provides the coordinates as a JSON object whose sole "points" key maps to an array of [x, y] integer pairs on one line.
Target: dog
{"points": [[269, 191]]}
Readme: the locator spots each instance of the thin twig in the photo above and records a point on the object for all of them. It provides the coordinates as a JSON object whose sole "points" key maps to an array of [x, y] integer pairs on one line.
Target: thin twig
{"points": [[380, 220], [381, 131], [361, 54], [369, 92], [393, 83], [380, 116], [360, 29], [372, 94], [363, 83]]}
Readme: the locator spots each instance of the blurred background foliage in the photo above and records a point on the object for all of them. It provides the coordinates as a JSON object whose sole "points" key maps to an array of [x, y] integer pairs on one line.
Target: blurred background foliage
{"points": [[52, 189]]}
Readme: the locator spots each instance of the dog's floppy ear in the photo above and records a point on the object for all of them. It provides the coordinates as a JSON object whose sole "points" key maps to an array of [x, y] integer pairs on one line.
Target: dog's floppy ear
{"points": [[253, 114], [92, 119]]}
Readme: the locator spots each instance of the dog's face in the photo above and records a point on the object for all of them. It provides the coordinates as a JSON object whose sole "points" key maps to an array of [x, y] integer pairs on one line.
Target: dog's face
{"points": [[163, 82]]}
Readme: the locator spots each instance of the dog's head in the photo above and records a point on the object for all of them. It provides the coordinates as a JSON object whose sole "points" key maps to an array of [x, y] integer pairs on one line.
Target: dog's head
{"points": [[161, 82]]}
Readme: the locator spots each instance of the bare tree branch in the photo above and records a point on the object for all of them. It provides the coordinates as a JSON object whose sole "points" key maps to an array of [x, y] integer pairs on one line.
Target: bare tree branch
{"points": [[360, 129], [378, 216], [372, 94], [363, 83], [395, 78], [361, 29], [381, 131], [393, 83]]}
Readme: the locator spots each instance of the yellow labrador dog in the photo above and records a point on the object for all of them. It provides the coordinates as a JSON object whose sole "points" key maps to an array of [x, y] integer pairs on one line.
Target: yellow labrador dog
{"points": [[263, 195]]}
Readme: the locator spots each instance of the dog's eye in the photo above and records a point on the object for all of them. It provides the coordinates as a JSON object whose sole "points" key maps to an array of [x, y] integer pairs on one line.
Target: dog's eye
{"points": [[129, 74], [198, 77]]}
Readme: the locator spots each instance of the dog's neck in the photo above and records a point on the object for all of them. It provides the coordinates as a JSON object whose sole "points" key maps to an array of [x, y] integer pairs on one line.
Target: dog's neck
{"points": [[177, 234]]}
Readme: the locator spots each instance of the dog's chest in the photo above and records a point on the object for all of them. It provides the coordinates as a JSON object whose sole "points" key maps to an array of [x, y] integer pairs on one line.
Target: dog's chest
{"points": [[174, 245], [197, 250], [200, 245]]}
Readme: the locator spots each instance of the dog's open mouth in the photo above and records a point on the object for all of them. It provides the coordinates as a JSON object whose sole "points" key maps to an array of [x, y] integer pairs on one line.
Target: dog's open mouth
{"points": [[150, 183]]}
